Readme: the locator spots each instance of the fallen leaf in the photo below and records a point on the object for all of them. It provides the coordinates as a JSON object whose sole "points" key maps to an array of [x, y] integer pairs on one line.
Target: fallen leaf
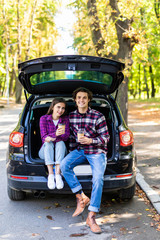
{"points": [[57, 205], [49, 217], [147, 209], [65, 210], [35, 234], [155, 187], [49, 207], [78, 234], [114, 237], [104, 221], [39, 217], [135, 227], [123, 230]]}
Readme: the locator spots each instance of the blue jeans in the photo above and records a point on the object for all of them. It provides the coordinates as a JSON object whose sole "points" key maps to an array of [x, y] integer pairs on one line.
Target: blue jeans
{"points": [[98, 165], [47, 152]]}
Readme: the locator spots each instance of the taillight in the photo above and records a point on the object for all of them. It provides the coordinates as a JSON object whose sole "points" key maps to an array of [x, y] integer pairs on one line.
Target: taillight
{"points": [[126, 138], [16, 139], [19, 177]]}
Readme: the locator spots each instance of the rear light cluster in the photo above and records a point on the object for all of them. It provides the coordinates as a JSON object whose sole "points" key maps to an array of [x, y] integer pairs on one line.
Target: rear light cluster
{"points": [[126, 138], [16, 139], [19, 177]]}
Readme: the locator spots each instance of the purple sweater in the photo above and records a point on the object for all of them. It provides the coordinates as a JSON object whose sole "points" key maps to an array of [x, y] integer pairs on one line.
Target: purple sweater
{"points": [[47, 128]]}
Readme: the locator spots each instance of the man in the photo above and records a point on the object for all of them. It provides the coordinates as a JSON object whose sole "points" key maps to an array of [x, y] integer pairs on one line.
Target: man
{"points": [[91, 147]]}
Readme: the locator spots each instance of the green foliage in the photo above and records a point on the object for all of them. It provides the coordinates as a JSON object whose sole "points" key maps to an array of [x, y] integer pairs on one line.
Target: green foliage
{"points": [[33, 32], [144, 31]]}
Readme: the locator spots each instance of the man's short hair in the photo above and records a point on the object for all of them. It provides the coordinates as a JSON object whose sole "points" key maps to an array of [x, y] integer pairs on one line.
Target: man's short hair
{"points": [[82, 89]]}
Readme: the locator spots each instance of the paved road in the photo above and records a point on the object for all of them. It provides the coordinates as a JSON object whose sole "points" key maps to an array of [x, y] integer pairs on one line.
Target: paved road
{"points": [[147, 143], [50, 218]]}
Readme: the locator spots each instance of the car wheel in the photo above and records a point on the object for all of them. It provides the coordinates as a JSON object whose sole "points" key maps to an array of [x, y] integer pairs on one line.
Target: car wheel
{"points": [[127, 193], [16, 195]]}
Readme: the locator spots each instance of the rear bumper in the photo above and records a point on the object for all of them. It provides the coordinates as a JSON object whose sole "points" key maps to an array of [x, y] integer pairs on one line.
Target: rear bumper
{"points": [[39, 183]]}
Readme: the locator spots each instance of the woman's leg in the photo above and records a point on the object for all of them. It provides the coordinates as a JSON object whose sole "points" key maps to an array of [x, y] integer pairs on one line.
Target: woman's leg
{"points": [[47, 153], [60, 151]]}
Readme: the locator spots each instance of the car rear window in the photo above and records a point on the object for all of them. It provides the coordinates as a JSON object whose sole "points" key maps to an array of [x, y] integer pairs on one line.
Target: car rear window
{"points": [[50, 76]]}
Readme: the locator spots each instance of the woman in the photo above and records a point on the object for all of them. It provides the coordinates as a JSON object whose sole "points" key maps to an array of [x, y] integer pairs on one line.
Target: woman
{"points": [[53, 135]]}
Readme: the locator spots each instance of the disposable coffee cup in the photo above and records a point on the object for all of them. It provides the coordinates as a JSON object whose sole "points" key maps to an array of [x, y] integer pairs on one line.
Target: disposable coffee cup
{"points": [[80, 134], [62, 126]]}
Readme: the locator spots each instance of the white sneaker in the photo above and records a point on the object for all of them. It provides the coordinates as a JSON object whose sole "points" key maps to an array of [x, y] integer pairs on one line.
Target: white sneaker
{"points": [[59, 181], [51, 182]]}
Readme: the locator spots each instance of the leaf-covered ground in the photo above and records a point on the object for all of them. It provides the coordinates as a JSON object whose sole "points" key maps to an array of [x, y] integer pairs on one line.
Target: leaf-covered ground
{"points": [[143, 115]]}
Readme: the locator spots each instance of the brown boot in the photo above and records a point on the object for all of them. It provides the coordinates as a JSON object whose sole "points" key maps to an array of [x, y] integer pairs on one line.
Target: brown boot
{"points": [[86, 199], [82, 202], [91, 222]]}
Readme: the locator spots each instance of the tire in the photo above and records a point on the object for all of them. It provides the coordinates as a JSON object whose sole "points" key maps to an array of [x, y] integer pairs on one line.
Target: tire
{"points": [[16, 195], [128, 193]]}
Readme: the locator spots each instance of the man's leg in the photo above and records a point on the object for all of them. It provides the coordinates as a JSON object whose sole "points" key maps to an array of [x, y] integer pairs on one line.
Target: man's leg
{"points": [[98, 165], [73, 159]]}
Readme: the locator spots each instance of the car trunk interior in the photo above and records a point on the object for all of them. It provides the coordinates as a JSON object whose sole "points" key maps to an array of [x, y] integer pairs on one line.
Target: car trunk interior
{"points": [[40, 108]]}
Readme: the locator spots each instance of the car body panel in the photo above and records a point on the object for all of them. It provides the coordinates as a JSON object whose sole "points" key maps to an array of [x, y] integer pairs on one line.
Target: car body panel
{"points": [[28, 173], [38, 75]]}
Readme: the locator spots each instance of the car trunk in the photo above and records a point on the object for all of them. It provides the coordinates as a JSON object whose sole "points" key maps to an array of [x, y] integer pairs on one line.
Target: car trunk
{"points": [[40, 108]]}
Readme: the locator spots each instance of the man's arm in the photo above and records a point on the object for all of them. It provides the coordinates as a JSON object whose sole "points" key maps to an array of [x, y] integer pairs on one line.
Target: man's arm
{"points": [[102, 130]]}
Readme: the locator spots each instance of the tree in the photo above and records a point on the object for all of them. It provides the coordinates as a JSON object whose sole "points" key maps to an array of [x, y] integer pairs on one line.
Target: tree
{"points": [[124, 40], [121, 30], [29, 24]]}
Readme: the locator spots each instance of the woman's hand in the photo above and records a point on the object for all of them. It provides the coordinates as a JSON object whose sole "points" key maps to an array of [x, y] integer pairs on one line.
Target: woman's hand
{"points": [[49, 139], [85, 140], [59, 131]]}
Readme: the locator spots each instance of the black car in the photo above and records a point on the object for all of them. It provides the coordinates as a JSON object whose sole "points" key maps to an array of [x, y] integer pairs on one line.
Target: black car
{"points": [[48, 77]]}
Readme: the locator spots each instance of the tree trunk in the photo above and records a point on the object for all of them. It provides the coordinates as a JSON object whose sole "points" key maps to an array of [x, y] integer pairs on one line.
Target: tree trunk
{"points": [[123, 99], [18, 86], [145, 80], [139, 81], [97, 38], [157, 9], [152, 82], [30, 31]]}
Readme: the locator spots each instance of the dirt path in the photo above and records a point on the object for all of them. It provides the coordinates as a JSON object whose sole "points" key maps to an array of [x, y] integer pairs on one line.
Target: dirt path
{"points": [[144, 121]]}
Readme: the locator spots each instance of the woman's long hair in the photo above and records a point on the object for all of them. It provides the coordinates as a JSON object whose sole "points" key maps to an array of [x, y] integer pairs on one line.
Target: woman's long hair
{"points": [[54, 102]]}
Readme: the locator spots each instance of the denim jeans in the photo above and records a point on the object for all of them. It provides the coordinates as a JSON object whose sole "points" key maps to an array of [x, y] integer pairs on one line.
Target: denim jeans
{"points": [[47, 152], [98, 165]]}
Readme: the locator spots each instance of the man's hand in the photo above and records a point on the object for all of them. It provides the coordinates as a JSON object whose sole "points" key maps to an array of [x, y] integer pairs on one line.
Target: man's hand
{"points": [[85, 140], [49, 139]]}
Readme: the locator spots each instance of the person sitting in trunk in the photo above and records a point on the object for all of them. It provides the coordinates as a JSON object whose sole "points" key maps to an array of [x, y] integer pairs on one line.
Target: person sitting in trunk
{"points": [[54, 129], [88, 142]]}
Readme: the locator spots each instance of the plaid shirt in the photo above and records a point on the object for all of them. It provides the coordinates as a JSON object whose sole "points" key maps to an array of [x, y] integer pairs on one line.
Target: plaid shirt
{"points": [[47, 128], [94, 125]]}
